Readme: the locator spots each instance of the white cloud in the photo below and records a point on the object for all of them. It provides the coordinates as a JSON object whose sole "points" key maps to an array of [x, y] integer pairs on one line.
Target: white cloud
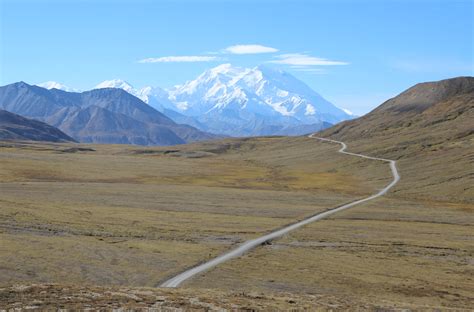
{"points": [[177, 59], [249, 49], [297, 59], [309, 69]]}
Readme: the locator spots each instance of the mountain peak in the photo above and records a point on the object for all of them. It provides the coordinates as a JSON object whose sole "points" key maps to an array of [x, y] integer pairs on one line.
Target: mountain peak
{"points": [[423, 95], [143, 94], [56, 85], [242, 97], [268, 69], [115, 83], [226, 70], [222, 68], [21, 84]]}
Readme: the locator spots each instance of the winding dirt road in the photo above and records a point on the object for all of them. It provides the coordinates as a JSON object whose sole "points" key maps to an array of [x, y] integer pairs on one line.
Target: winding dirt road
{"points": [[251, 244]]}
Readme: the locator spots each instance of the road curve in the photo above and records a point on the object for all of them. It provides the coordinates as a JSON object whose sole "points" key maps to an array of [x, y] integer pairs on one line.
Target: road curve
{"points": [[180, 278]]}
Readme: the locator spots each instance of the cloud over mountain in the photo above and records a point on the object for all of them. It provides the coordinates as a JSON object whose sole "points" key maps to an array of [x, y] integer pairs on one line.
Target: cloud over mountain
{"points": [[179, 59], [249, 49]]}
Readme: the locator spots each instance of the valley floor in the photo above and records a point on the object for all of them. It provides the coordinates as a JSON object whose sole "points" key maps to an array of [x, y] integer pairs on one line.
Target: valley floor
{"points": [[127, 216], [379, 253]]}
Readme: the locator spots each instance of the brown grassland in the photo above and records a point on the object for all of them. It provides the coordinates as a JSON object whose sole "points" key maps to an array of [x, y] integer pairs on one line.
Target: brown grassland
{"points": [[134, 216], [123, 216]]}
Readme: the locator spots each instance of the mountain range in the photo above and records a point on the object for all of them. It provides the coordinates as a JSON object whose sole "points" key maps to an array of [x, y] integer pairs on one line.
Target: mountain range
{"points": [[239, 101], [98, 116]]}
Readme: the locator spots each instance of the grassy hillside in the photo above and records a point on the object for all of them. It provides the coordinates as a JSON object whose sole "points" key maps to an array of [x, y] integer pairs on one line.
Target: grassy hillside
{"points": [[429, 129]]}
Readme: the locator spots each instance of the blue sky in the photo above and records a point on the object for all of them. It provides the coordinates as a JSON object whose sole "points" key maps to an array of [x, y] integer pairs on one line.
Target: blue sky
{"points": [[355, 53]]}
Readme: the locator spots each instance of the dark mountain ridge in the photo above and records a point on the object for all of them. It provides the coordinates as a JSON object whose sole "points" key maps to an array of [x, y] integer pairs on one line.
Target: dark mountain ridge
{"points": [[16, 127]]}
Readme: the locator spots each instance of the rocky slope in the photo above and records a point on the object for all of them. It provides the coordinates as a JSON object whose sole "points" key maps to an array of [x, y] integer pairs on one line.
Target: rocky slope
{"points": [[15, 127]]}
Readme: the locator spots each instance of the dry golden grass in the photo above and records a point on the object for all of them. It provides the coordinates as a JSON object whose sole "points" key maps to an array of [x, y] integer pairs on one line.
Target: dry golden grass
{"points": [[51, 297], [410, 249], [381, 252], [124, 215]]}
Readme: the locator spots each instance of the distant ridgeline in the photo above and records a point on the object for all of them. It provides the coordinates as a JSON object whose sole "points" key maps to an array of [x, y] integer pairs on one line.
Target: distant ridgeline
{"points": [[234, 101], [98, 116]]}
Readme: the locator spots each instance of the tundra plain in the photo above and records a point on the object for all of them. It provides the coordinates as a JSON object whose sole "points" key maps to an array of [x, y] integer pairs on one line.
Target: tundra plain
{"points": [[112, 215], [127, 215]]}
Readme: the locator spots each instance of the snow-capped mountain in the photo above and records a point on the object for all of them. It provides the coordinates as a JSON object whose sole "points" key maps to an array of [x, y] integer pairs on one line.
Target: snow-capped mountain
{"points": [[155, 96], [241, 101], [56, 85], [118, 84]]}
